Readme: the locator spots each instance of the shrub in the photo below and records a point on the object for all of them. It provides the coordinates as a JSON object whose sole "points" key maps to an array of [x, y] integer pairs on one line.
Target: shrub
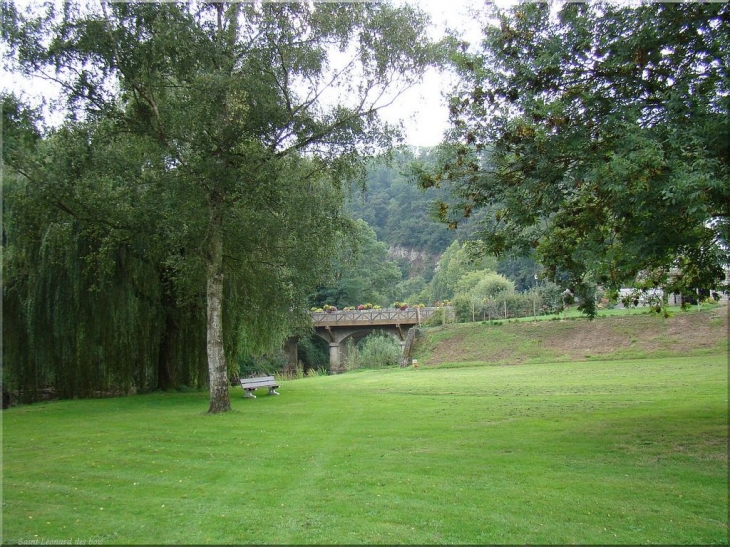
{"points": [[544, 300], [551, 296], [350, 357], [464, 306], [512, 303], [374, 351], [493, 285], [441, 317], [378, 350], [520, 304]]}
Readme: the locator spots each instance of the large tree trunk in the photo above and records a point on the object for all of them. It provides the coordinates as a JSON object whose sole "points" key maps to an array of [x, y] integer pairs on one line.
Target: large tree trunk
{"points": [[217, 368]]}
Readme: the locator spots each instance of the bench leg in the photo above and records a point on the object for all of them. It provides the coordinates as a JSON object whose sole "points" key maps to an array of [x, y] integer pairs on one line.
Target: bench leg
{"points": [[248, 394], [272, 391]]}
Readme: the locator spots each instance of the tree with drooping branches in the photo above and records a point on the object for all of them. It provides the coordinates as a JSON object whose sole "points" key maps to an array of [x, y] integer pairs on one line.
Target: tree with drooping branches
{"points": [[244, 119]]}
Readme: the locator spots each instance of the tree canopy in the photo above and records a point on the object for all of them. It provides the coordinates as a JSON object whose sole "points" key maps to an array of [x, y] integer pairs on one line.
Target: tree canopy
{"points": [[205, 142], [363, 272], [596, 135], [456, 265]]}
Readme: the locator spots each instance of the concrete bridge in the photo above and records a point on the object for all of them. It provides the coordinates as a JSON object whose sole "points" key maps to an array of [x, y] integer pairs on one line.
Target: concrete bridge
{"points": [[337, 327]]}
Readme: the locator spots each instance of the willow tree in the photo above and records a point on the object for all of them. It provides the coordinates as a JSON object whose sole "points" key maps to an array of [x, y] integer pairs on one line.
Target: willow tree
{"points": [[596, 136], [89, 303], [245, 109]]}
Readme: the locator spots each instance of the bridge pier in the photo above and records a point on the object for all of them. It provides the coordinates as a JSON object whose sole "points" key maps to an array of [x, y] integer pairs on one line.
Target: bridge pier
{"points": [[335, 357]]}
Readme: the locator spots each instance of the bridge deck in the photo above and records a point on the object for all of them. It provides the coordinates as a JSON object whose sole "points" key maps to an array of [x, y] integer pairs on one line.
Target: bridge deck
{"points": [[354, 318]]}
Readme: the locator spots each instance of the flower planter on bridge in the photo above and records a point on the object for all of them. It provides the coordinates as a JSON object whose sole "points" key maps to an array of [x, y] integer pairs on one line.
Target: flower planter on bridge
{"points": [[386, 317]]}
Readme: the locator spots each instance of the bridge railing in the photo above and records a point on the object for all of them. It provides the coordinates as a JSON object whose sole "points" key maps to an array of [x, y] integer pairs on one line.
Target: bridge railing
{"points": [[381, 316]]}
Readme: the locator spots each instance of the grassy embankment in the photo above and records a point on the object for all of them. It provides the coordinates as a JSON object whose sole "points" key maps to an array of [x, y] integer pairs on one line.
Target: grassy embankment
{"points": [[615, 334], [618, 450]]}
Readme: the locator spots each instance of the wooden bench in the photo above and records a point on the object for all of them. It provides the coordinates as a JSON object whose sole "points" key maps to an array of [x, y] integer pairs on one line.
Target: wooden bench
{"points": [[249, 385]]}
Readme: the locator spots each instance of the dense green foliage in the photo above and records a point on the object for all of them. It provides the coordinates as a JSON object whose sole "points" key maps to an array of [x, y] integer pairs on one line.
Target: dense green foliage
{"points": [[88, 301], [457, 266], [362, 272], [400, 213], [105, 293], [374, 351], [198, 163], [595, 136], [405, 218]]}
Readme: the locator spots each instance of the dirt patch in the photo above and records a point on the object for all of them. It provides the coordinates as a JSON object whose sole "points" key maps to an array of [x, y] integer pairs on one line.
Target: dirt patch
{"points": [[682, 333], [594, 338], [449, 349]]}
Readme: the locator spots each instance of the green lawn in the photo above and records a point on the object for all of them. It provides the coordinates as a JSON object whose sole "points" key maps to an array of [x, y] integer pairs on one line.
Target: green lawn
{"points": [[597, 452]]}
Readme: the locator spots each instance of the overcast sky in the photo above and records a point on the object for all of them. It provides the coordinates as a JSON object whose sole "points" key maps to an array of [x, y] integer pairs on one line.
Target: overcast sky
{"points": [[423, 108]]}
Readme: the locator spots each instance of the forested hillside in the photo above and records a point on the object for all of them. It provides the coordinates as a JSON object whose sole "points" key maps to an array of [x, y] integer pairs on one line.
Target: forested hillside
{"points": [[398, 210], [392, 251], [399, 251]]}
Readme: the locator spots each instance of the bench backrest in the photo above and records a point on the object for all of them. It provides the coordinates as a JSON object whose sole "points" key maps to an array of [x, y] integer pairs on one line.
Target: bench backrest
{"points": [[261, 381]]}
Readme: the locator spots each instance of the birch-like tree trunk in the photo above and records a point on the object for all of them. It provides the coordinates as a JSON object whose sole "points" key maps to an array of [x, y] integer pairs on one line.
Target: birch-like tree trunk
{"points": [[217, 366]]}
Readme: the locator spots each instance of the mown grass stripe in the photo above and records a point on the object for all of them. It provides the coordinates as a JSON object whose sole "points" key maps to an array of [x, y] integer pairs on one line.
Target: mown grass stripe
{"points": [[620, 451]]}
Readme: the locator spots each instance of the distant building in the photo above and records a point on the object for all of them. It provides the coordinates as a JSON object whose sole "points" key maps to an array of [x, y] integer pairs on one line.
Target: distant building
{"points": [[674, 299]]}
